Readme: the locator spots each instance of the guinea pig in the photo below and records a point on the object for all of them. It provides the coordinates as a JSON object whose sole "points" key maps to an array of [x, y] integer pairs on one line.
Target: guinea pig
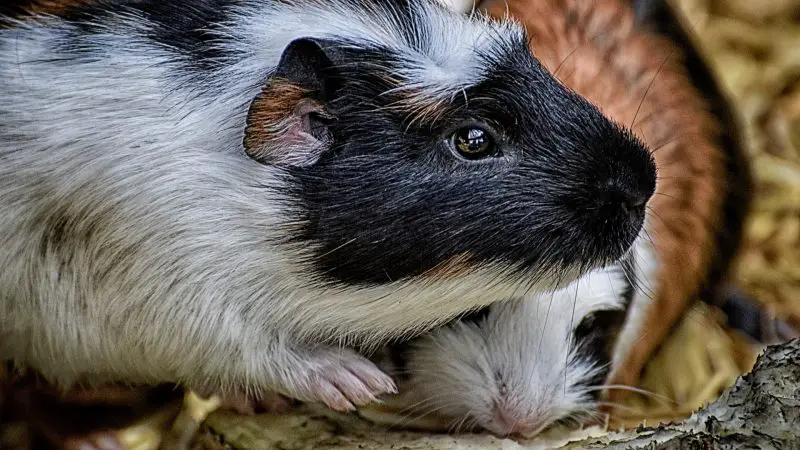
{"points": [[230, 195], [516, 367], [631, 59]]}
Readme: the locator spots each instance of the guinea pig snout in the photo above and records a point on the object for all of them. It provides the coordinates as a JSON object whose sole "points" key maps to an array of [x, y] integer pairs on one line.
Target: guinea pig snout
{"points": [[506, 422], [605, 192]]}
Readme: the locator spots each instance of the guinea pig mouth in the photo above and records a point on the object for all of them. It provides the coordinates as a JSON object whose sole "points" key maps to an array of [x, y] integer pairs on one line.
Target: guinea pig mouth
{"points": [[508, 421], [507, 425], [608, 227]]}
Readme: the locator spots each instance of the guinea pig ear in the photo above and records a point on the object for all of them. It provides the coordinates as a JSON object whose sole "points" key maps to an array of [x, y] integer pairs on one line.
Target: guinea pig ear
{"points": [[287, 123]]}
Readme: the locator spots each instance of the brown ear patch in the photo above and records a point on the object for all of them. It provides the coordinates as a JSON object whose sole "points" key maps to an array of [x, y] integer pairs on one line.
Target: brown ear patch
{"points": [[278, 127]]}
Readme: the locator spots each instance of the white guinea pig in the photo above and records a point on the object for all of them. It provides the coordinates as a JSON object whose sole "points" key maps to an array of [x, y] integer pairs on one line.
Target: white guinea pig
{"points": [[516, 367]]}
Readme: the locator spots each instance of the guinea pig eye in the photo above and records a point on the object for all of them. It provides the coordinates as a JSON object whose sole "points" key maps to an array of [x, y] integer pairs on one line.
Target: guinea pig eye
{"points": [[474, 143]]}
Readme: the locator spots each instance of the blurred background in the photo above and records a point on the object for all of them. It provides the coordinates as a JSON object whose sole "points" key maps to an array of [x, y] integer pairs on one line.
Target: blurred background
{"points": [[753, 47]]}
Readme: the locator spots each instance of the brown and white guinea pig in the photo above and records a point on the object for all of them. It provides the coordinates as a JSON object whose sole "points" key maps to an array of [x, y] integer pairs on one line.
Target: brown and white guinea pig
{"points": [[514, 368], [627, 58], [224, 194]]}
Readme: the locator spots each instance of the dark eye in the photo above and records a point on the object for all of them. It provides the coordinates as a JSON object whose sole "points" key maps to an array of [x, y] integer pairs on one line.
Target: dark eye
{"points": [[474, 143]]}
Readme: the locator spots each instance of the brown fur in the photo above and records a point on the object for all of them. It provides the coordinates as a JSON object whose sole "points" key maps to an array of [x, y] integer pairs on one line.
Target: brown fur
{"points": [[271, 113], [595, 49], [455, 267], [55, 7]]}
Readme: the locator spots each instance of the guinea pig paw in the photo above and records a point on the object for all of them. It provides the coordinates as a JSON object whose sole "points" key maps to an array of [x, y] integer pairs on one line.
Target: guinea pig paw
{"points": [[342, 379]]}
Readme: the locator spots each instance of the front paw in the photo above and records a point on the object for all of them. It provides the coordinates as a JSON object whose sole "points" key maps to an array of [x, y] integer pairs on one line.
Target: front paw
{"points": [[341, 379]]}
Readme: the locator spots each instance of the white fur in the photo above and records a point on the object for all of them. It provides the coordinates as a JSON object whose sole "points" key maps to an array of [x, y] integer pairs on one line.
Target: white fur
{"points": [[462, 6], [455, 49], [169, 273], [527, 345]]}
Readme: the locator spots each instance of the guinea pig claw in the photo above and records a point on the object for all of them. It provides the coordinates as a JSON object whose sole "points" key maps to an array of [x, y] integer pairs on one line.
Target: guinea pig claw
{"points": [[331, 396], [377, 381], [343, 380]]}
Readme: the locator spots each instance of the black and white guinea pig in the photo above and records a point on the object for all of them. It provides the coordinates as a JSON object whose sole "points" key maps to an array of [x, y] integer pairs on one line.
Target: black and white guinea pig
{"points": [[224, 193], [515, 368]]}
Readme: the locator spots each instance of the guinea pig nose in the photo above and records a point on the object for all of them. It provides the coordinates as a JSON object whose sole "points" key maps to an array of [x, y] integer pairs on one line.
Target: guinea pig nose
{"points": [[630, 199], [503, 423], [634, 202]]}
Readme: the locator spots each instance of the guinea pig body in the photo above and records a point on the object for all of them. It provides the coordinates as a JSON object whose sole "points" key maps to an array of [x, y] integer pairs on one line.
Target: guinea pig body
{"points": [[521, 365], [223, 193]]}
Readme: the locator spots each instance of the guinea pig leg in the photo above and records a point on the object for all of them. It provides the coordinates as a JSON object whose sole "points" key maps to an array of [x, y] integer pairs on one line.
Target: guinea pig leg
{"points": [[339, 378]]}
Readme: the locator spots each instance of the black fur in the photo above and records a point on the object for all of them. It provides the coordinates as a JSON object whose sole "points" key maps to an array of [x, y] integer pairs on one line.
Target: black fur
{"points": [[555, 198]]}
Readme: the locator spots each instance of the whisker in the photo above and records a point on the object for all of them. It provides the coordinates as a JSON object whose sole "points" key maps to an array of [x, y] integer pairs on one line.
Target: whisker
{"points": [[619, 406], [566, 58], [649, 86], [667, 195], [621, 387]]}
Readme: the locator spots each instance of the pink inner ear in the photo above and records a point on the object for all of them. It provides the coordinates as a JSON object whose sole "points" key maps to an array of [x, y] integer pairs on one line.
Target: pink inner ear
{"points": [[294, 146], [304, 108], [300, 147], [279, 127]]}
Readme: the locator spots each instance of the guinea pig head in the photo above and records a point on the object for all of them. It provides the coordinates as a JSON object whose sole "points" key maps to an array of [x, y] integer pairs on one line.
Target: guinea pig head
{"points": [[520, 367], [431, 161]]}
